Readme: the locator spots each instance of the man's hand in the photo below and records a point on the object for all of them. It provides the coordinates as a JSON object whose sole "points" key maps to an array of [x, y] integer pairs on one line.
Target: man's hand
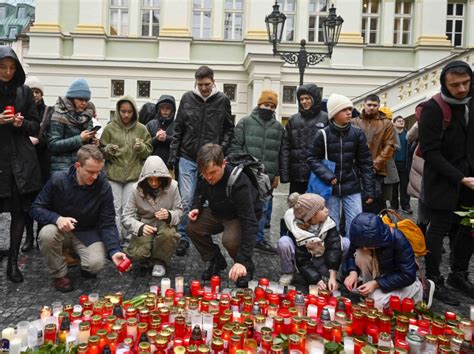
{"points": [[369, 201], [276, 182], [66, 224], [334, 181], [468, 182], [34, 141], [148, 230], [193, 214], [162, 214], [351, 280], [321, 285], [118, 257], [6, 117], [161, 135], [238, 270], [368, 288], [332, 282]]}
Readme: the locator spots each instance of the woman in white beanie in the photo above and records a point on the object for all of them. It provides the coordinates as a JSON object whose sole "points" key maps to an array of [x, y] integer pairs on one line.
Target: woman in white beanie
{"points": [[347, 147]]}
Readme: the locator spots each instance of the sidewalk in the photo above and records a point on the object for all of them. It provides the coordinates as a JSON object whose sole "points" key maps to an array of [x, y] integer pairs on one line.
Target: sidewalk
{"points": [[23, 301]]}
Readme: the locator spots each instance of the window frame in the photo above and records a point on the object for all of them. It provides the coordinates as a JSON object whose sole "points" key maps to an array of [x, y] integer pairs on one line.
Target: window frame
{"points": [[369, 17], [455, 18], [319, 16], [235, 91], [284, 8], [233, 12], [402, 17], [10, 28], [138, 88], [121, 9], [150, 11], [112, 90], [4, 10], [202, 11], [295, 98]]}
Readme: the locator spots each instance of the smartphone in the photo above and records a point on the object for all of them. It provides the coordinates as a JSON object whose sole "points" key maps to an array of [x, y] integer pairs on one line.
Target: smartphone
{"points": [[96, 128]]}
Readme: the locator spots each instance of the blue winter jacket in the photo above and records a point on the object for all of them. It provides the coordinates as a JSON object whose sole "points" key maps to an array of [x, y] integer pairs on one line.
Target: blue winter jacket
{"points": [[92, 206], [393, 251]]}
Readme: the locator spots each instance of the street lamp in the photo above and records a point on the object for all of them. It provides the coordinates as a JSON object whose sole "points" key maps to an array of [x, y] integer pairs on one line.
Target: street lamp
{"points": [[331, 31]]}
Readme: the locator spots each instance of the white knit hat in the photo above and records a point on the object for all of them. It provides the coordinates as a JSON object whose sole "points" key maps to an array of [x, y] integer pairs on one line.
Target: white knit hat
{"points": [[337, 103], [33, 82]]}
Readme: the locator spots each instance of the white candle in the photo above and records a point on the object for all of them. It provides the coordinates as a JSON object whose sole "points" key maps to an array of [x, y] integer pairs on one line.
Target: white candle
{"points": [[348, 345], [165, 285], [269, 322], [253, 284], [38, 324], [332, 311], [15, 345], [70, 341], [77, 308], [336, 293], [179, 284], [207, 321], [154, 289], [312, 310], [22, 332], [32, 334], [8, 333], [93, 297], [472, 312], [313, 290]]}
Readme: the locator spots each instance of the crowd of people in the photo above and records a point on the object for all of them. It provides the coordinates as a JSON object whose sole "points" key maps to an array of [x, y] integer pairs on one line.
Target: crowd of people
{"points": [[152, 182]]}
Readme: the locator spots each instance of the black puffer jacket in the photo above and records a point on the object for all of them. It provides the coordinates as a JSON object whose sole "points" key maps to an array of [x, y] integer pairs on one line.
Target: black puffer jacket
{"points": [[162, 148], [200, 122], [348, 148], [332, 252], [301, 130], [18, 162], [394, 254]]}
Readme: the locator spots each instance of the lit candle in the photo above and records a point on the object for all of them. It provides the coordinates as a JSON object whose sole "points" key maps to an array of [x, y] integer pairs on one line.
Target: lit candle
{"points": [[8, 333], [70, 341], [179, 284], [348, 345], [45, 312], [22, 333], [165, 285], [93, 297], [15, 345], [154, 289], [312, 310], [313, 289]]}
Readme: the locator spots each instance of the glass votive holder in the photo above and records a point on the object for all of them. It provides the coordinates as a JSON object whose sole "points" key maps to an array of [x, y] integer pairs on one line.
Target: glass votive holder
{"points": [[93, 297], [154, 289], [313, 289], [179, 284]]}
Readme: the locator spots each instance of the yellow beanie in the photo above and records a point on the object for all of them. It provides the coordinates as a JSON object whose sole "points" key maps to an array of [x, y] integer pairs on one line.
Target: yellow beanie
{"points": [[268, 96], [387, 111]]}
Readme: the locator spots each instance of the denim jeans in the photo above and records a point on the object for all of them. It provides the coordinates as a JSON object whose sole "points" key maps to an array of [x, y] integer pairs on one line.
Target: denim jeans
{"points": [[187, 179], [352, 205], [263, 220], [268, 211]]}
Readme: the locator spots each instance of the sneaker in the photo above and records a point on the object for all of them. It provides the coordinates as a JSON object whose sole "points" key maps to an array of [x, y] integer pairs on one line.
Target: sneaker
{"points": [[158, 270], [407, 210], [63, 284], [182, 247], [286, 279], [264, 246], [428, 292], [216, 265], [443, 294], [88, 275], [460, 281]]}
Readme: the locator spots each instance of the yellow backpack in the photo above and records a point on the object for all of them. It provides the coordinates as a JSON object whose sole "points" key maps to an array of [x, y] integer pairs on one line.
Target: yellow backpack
{"points": [[411, 231]]}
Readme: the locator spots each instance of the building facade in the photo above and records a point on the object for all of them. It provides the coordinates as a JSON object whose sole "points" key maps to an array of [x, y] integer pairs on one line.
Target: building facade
{"points": [[147, 48]]}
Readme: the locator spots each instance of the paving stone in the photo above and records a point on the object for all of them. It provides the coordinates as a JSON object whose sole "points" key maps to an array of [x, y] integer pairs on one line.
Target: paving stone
{"points": [[23, 301]]}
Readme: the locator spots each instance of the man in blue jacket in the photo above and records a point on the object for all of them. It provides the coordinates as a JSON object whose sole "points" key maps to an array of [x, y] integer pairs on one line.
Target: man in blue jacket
{"points": [[384, 259], [77, 208]]}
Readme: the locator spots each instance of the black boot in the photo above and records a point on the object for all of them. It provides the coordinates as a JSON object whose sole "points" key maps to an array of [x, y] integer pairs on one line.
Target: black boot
{"points": [[460, 281], [30, 238], [443, 294], [216, 265], [17, 225]]}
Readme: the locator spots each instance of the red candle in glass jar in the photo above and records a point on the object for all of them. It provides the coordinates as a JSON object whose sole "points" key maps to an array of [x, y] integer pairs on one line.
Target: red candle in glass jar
{"points": [[124, 265], [372, 334], [273, 299], [395, 304], [358, 345], [358, 324], [264, 283], [215, 284], [450, 316], [348, 304], [408, 305], [83, 299], [259, 293], [10, 108], [195, 287]]}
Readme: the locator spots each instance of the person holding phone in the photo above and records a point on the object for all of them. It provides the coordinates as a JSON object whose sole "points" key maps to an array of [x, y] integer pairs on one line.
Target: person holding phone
{"points": [[384, 260], [126, 143], [20, 176], [70, 126], [152, 215]]}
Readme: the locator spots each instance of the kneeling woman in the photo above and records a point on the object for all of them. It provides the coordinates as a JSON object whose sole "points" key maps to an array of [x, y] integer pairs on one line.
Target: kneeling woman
{"points": [[313, 242], [384, 259], [152, 215]]}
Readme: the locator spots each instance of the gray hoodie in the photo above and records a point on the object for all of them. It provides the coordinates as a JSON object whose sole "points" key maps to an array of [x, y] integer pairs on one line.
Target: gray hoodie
{"points": [[141, 209]]}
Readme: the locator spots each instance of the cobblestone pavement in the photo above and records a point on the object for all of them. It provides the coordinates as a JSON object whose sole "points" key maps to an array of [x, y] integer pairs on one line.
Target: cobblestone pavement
{"points": [[22, 301]]}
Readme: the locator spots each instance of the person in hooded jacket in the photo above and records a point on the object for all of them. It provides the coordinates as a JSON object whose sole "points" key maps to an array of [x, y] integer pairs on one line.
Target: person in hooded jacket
{"points": [[152, 214], [384, 259], [448, 178], [21, 176], [126, 143], [346, 146], [70, 126], [147, 112], [300, 132], [161, 127], [313, 243]]}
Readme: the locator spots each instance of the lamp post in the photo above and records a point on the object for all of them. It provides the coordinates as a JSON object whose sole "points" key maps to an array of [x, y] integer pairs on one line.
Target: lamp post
{"points": [[331, 31]]}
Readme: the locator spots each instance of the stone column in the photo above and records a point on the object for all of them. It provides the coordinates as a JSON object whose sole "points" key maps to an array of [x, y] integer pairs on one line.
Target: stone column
{"points": [[45, 35], [469, 24], [255, 19], [90, 35], [387, 19]]}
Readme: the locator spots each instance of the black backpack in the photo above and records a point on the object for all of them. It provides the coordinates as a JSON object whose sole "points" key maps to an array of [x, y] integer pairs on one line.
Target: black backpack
{"points": [[255, 171]]}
